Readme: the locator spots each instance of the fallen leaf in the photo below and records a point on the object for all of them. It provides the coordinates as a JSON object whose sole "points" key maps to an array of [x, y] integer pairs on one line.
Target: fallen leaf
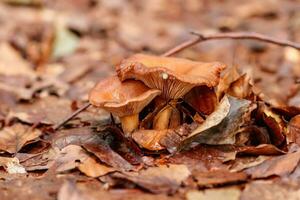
{"points": [[104, 152], [263, 149], [269, 190], [150, 139], [49, 110], [214, 194], [92, 168], [293, 132], [203, 157], [71, 192], [161, 179], [241, 88], [73, 136], [12, 165], [11, 63], [247, 162], [65, 42], [273, 121], [69, 158], [202, 99], [218, 177], [280, 166], [13, 138], [221, 126], [230, 75]]}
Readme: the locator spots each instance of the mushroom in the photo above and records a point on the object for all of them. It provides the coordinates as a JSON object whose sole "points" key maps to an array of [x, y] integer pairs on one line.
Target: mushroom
{"points": [[123, 99], [173, 76]]}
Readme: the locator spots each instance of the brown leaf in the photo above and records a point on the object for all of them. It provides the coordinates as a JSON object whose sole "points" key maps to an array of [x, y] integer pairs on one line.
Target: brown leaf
{"points": [[202, 99], [71, 192], [263, 149], [269, 190], [218, 177], [75, 136], [203, 157], [161, 179], [69, 158], [231, 74], [274, 123], [150, 139], [13, 138], [49, 110], [214, 194], [241, 88], [17, 65], [103, 151], [92, 168], [221, 126], [280, 165], [293, 133], [242, 163]]}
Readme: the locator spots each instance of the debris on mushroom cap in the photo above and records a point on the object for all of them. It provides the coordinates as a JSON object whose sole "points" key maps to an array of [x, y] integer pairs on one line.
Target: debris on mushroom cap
{"points": [[122, 98], [173, 76]]}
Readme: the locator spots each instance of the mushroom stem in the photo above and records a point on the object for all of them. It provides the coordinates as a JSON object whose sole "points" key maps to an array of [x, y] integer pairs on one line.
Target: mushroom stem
{"points": [[162, 119], [129, 123]]}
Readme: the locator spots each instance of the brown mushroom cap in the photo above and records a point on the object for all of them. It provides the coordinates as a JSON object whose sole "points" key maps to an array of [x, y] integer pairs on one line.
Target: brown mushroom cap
{"points": [[122, 98], [173, 76]]}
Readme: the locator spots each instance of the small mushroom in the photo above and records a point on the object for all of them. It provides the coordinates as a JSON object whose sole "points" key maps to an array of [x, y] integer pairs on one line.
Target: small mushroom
{"points": [[123, 99], [173, 76]]}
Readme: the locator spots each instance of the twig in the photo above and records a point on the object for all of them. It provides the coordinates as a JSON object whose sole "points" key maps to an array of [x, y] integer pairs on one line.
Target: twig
{"points": [[74, 114], [234, 35]]}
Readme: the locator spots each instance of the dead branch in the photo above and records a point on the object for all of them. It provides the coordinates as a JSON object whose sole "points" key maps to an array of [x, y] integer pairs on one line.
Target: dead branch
{"points": [[74, 114], [234, 36]]}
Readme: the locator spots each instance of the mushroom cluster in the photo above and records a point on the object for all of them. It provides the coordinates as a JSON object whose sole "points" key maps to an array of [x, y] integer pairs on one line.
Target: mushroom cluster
{"points": [[153, 94]]}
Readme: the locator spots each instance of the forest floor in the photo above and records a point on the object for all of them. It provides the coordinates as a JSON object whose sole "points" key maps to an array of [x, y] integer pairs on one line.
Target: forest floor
{"points": [[53, 52]]}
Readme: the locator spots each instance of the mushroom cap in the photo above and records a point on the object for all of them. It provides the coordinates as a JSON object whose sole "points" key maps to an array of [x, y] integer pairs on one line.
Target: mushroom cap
{"points": [[173, 76], [122, 98]]}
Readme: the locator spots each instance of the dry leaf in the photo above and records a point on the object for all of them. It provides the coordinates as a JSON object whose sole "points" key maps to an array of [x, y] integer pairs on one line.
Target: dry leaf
{"points": [[108, 156], [214, 194], [12, 165], [270, 190], [92, 168], [218, 177], [150, 139], [71, 192], [280, 166], [164, 178], [293, 133], [221, 126], [202, 99], [49, 110], [13, 138], [12, 64]]}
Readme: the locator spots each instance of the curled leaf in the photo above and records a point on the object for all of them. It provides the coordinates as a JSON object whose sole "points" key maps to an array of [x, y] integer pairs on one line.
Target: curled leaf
{"points": [[221, 126], [13, 138]]}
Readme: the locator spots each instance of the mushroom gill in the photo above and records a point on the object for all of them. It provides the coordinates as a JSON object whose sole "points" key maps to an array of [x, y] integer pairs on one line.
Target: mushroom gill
{"points": [[174, 77]]}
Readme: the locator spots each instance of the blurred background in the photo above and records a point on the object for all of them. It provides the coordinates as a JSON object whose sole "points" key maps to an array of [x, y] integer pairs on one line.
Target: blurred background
{"points": [[63, 47]]}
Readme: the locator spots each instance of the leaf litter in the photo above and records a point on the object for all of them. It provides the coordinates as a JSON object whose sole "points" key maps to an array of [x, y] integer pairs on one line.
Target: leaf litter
{"points": [[217, 132]]}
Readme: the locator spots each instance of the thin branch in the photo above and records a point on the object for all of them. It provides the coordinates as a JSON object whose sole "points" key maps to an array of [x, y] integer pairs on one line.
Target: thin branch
{"points": [[233, 35], [74, 114]]}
